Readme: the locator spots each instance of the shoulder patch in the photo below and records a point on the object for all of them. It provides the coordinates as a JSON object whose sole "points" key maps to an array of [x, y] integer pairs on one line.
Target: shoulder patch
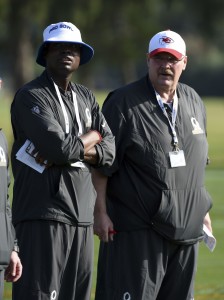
{"points": [[35, 110]]}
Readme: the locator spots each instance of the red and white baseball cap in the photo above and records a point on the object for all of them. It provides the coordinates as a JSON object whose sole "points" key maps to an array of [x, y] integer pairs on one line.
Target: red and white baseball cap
{"points": [[167, 41], [64, 32]]}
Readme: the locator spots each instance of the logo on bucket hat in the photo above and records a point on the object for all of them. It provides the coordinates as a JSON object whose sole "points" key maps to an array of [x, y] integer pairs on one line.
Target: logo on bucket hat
{"points": [[64, 32], [167, 41]]}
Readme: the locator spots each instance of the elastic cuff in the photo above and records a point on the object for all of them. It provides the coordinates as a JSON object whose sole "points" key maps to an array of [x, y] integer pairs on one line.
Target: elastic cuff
{"points": [[16, 248]]}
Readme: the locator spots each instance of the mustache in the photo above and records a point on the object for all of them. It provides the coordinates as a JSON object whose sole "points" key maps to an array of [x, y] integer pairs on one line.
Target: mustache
{"points": [[166, 72]]}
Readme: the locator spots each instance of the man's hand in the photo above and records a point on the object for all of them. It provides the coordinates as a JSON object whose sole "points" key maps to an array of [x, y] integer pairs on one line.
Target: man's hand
{"points": [[91, 156], [207, 222], [14, 269], [90, 139], [41, 160], [103, 227]]}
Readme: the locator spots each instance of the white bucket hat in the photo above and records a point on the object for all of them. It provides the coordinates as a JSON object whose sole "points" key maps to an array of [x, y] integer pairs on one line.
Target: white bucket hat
{"points": [[64, 32], [167, 41]]}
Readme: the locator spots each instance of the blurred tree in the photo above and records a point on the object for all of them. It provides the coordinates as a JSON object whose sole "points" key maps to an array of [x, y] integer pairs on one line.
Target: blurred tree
{"points": [[27, 19], [122, 33], [119, 33], [22, 21]]}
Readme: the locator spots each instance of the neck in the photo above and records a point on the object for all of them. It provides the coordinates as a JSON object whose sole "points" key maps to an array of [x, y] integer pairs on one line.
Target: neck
{"points": [[62, 82], [167, 100], [166, 95]]}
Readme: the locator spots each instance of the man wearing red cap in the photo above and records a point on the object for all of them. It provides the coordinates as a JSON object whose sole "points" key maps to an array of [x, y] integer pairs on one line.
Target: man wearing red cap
{"points": [[60, 135], [152, 203]]}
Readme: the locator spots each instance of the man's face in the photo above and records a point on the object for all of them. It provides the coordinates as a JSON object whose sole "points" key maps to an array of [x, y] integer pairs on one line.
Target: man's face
{"points": [[62, 58], [165, 70]]}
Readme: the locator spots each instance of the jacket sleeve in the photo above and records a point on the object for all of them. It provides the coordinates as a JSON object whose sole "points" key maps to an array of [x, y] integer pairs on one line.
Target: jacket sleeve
{"points": [[6, 180], [117, 123], [33, 118], [4, 191], [106, 148]]}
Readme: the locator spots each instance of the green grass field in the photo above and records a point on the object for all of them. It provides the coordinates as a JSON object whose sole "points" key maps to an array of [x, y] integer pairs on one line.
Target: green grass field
{"points": [[209, 283]]}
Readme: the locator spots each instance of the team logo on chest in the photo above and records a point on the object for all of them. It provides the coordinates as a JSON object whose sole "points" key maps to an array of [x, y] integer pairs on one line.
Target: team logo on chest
{"points": [[196, 126], [3, 162], [88, 118]]}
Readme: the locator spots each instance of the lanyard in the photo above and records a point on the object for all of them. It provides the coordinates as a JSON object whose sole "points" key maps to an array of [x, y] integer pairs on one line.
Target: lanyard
{"points": [[74, 99], [173, 119]]}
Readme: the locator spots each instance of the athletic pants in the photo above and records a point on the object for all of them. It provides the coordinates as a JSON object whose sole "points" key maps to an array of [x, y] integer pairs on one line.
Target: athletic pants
{"points": [[1, 284], [57, 261], [142, 265]]}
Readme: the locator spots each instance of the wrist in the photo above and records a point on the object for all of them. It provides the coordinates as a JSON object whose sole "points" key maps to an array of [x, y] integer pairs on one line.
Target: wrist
{"points": [[100, 211], [15, 248], [99, 135]]}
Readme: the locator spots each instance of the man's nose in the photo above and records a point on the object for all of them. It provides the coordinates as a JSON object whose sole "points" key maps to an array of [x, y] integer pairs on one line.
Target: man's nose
{"points": [[165, 63]]}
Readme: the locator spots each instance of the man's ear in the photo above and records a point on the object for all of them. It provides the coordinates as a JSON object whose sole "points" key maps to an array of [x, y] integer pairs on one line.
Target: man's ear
{"points": [[185, 63], [147, 58]]}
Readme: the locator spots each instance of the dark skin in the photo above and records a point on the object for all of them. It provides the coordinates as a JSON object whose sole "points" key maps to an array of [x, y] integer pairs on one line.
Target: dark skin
{"points": [[62, 60]]}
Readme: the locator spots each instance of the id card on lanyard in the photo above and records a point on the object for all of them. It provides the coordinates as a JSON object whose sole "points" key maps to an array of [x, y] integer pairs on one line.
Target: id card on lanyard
{"points": [[177, 158], [77, 164]]}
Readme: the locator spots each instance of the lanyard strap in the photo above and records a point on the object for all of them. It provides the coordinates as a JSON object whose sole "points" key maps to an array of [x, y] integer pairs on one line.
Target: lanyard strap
{"points": [[65, 114], [173, 119], [75, 103]]}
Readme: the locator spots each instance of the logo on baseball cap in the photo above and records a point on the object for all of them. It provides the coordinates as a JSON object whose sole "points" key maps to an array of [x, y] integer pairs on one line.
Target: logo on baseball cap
{"points": [[64, 32], [167, 41]]}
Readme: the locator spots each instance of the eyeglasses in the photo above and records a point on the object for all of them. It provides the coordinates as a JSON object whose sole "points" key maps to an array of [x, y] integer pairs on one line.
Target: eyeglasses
{"points": [[171, 60]]}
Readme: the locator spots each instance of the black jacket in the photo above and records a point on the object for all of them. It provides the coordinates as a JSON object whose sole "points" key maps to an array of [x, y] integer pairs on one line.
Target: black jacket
{"points": [[62, 192], [143, 190], [7, 233]]}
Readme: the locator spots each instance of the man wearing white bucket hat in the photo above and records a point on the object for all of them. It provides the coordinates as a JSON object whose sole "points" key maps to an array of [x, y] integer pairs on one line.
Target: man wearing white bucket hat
{"points": [[68, 33], [60, 134], [152, 222]]}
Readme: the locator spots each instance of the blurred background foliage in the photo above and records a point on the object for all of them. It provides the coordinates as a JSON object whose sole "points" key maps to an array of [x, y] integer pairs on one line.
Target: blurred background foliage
{"points": [[119, 32]]}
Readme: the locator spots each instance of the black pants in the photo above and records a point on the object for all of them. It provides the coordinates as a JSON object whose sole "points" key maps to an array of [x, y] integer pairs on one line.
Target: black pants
{"points": [[57, 261], [1, 284], [142, 265]]}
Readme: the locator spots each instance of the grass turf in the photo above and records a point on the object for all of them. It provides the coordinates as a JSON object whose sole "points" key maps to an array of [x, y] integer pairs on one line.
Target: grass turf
{"points": [[210, 273]]}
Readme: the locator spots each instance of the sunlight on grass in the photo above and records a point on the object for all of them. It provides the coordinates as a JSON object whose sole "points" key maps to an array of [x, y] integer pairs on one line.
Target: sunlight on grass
{"points": [[210, 274]]}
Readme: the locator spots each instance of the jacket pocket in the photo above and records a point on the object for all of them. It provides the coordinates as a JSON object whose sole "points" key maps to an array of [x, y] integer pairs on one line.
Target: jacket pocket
{"points": [[181, 214], [76, 195]]}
